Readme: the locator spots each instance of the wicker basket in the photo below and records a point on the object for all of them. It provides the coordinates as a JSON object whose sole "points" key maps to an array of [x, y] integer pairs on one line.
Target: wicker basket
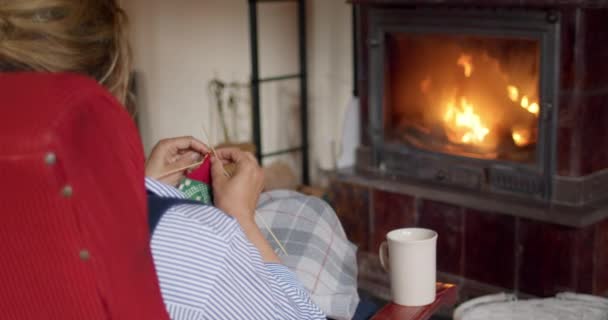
{"points": [[564, 306]]}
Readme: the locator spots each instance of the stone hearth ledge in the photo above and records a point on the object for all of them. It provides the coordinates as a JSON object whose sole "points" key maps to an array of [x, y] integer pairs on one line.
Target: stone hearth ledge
{"points": [[502, 204]]}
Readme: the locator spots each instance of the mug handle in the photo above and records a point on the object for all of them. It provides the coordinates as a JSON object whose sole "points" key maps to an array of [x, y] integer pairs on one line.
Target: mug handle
{"points": [[383, 254]]}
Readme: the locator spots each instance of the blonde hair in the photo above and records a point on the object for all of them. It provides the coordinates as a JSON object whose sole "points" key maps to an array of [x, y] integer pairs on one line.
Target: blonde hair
{"points": [[82, 36]]}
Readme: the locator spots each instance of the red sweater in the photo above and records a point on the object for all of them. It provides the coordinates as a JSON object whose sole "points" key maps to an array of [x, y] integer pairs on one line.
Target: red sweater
{"points": [[73, 225]]}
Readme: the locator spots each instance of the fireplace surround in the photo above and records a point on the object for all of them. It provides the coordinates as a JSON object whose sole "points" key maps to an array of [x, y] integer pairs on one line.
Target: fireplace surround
{"points": [[535, 85], [525, 216]]}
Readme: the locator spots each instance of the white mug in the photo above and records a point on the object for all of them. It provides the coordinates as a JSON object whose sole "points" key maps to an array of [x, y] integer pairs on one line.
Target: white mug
{"points": [[412, 265]]}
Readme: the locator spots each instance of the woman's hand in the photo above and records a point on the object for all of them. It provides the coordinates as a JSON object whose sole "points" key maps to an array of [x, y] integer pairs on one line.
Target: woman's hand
{"points": [[172, 154], [237, 194]]}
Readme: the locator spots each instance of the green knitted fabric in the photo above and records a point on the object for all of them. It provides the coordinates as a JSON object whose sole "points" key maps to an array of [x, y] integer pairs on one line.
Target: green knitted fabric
{"points": [[196, 190]]}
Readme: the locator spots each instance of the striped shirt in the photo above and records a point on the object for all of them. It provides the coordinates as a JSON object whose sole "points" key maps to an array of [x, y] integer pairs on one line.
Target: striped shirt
{"points": [[208, 269]]}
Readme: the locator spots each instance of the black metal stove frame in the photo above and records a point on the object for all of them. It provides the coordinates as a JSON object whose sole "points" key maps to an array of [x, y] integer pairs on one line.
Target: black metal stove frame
{"points": [[402, 160]]}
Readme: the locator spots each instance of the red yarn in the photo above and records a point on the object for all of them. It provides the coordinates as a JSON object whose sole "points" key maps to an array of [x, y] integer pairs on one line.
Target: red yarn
{"points": [[202, 173]]}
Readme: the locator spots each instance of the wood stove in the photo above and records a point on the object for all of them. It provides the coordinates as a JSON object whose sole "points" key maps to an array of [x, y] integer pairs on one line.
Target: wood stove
{"points": [[481, 99], [486, 120], [464, 97]]}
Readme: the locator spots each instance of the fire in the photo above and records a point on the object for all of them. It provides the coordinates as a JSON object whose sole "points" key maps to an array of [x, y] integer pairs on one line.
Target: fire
{"points": [[466, 62], [465, 125], [525, 103], [534, 108], [513, 93], [465, 122], [521, 138]]}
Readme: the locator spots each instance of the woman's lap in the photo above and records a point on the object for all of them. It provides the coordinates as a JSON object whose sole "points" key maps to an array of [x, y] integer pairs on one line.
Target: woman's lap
{"points": [[318, 251]]}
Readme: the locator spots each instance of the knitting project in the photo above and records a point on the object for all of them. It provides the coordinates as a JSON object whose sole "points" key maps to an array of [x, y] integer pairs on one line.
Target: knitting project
{"points": [[197, 185]]}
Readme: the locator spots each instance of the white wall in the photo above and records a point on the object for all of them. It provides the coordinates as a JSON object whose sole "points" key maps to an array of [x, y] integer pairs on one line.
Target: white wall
{"points": [[331, 81], [180, 45]]}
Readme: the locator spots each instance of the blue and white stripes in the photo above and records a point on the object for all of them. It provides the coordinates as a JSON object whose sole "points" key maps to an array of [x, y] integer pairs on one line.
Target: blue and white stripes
{"points": [[208, 269], [163, 190]]}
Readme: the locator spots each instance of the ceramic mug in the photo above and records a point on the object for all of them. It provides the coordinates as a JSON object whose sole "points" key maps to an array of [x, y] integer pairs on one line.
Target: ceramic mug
{"points": [[409, 256]]}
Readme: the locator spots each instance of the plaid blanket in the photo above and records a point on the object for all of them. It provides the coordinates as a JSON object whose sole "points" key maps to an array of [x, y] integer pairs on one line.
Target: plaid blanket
{"points": [[318, 251]]}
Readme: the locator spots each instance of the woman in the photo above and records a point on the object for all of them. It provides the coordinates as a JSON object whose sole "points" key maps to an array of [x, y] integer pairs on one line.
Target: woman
{"points": [[247, 281], [75, 241]]}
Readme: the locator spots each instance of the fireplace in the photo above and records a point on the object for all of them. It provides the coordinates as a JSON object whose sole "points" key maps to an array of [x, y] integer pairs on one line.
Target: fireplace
{"points": [[470, 98], [486, 120], [464, 97]]}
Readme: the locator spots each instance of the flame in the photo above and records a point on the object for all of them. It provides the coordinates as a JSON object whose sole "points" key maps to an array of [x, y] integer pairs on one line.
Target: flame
{"points": [[534, 108], [464, 125], [449, 114], [513, 93], [466, 62], [517, 138], [465, 122], [525, 103], [521, 138]]}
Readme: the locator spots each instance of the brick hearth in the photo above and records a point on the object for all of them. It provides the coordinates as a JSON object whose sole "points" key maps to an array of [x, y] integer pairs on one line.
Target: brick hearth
{"points": [[487, 252]]}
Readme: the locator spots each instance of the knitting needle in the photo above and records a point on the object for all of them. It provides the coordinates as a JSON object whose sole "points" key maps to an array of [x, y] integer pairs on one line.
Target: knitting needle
{"points": [[272, 234], [261, 219], [180, 169], [215, 152]]}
